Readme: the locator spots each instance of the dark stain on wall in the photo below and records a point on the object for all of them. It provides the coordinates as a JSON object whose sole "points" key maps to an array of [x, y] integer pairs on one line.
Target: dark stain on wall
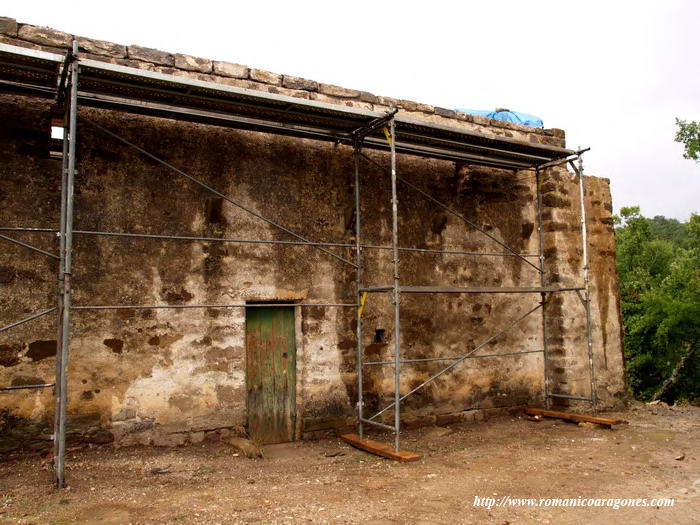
{"points": [[39, 350], [9, 354], [27, 380], [116, 345], [213, 210], [7, 274], [176, 296]]}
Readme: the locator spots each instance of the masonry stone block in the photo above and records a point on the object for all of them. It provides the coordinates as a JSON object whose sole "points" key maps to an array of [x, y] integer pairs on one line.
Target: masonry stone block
{"points": [[337, 91], [44, 36], [389, 101], [447, 113], [101, 47], [409, 105], [229, 69], [191, 63], [8, 26], [292, 82], [366, 96], [148, 54], [266, 77]]}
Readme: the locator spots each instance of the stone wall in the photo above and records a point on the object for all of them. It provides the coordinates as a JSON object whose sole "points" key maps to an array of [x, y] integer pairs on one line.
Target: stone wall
{"points": [[174, 376]]}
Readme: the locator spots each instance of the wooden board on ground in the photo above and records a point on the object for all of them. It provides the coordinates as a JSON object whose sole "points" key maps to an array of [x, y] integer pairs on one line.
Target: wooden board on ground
{"points": [[380, 449], [606, 421]]}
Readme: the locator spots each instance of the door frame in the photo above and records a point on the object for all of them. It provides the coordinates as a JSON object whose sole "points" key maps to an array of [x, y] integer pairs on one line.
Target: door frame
{"points": [[299, 358]]}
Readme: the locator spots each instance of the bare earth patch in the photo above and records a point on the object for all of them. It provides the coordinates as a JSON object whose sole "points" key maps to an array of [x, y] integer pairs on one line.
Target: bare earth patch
{"points": [[655, 456]]}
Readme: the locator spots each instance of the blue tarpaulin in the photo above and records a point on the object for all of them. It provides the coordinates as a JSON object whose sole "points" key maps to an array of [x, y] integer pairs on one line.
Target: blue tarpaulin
{"points": [[507, 115]]}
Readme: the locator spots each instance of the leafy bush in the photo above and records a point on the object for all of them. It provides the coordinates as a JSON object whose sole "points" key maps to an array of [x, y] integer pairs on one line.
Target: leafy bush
{"points": [[658, 261]]}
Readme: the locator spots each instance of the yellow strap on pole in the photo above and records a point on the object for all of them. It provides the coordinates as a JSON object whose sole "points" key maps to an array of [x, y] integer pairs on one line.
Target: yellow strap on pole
{"points": [[363, 300], [387, 135]]}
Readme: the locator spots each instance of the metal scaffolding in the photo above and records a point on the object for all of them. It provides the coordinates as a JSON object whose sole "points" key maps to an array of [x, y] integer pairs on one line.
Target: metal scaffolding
{"points": [[72, 81]]}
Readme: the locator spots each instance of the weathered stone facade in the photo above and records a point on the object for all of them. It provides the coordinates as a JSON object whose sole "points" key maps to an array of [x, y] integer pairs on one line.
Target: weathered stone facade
{"points": [[173, 376]]}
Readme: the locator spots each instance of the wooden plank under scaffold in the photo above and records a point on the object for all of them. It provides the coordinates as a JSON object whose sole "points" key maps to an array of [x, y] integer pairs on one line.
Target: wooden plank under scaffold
{"points": [[379, 449], [578, 418]]}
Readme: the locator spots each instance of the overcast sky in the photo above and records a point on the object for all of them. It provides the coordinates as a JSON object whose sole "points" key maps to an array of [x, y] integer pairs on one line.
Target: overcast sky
{"points": [[613, 74]]}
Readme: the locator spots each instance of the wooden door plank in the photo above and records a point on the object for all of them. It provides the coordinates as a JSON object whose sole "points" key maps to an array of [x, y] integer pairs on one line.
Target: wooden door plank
{"points": [[379, 449], [268, 377], [579, 418], [287, 361]]}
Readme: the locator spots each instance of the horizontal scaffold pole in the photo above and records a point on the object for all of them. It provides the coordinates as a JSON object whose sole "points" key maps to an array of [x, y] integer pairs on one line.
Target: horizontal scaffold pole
{"points": [[450, 252], [470, 290], [210, 239], [210, 189], [569, 396], [194, 306], [30, 230], [264, 241], [453, 358]]}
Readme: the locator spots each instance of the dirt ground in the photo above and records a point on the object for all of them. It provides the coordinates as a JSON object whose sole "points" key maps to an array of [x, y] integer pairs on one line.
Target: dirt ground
{"points": [[655, 456]]}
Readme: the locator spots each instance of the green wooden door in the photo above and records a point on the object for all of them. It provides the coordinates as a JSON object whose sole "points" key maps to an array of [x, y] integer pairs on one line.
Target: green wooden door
{"points": [[270, 373]]}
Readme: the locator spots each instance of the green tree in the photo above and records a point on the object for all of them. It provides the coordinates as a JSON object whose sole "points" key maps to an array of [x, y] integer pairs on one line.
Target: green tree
{"points": [[671, 230], [659, 268], [688, 134]]}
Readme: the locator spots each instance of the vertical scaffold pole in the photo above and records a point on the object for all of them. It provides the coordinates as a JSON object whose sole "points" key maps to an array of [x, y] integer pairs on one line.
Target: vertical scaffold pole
{"points": [[66, 266], [586, 281], [61, 268], [397, 291], [543, 283], [358, 262]]}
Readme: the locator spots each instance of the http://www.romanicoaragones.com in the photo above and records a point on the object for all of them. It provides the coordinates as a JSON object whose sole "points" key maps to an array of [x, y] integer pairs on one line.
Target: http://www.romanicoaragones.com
{"points": [[613, 503]]}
